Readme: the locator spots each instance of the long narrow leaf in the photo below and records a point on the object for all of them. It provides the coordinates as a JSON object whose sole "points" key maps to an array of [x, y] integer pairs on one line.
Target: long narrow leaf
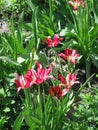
{"points": [[82, 87], [31, 5], [19, 120], [4, 58]]}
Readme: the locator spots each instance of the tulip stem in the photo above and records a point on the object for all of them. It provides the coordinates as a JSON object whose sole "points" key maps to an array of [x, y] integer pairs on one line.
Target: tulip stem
{"points": [[27, 97], [88, 67], [40, 102]]}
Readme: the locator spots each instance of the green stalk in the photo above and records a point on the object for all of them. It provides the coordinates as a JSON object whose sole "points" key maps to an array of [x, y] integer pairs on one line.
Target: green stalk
{"points": [[88, 67], [27, 98], [12, 29], [28, 105], [73, 16], [51, 10], [71, 67], [34, 22], [83, 85], [40, 106]]}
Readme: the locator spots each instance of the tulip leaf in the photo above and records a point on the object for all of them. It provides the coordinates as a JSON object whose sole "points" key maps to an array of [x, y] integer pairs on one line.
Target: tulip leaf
{"points": [[29, 2], [19, 120], [43, 58], [4, 58], [95, 9], [94, 59], [47, 29]]}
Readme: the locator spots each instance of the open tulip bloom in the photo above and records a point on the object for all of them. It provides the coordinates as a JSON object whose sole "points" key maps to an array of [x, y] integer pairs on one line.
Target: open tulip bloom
{"points": [[70, 55], [58, 92], [21, 82], [76, 3], [69, 81], [63, 88], [53, 42]]}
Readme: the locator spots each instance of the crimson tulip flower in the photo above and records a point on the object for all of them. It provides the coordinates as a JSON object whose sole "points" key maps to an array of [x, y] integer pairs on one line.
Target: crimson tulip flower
{"points": [[58, 92], [76, 4], [31, 77], [39, 76], [53, 42], [63, 88], [69, 81], [70, 55], [43, 74]]}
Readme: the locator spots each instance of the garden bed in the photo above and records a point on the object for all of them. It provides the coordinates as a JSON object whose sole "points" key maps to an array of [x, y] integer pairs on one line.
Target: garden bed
{"points": [[49, 65]]}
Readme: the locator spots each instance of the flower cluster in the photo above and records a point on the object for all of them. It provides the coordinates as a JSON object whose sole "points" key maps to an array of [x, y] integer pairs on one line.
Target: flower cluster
{"points": [[33, 77], [66, 83], [41, 74]]}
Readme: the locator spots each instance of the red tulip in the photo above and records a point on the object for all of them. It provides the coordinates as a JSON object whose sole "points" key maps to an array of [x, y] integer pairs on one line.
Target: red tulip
{"points": [[69, 81], [43, 74], [31, 77], [76, 4], [21, 83], [63, 88], [52, 43], [58, 92], [70, 55]]}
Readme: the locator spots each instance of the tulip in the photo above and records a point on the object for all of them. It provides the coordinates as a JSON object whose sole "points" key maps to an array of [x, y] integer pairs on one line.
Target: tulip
{"points": [[58, 92], [69, 55], [53, 42], [69, 81], [76, 4]]}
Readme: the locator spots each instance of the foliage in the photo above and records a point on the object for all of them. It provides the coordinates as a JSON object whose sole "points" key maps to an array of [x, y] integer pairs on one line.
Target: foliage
{"points": [[85, 112], [52, 34], [83, 34]]}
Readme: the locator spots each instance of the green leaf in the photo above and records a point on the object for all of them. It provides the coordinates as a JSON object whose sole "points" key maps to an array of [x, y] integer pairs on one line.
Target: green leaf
{"points": [[2, 122], [15, 43], [19, 36], [34, 127], [29, 2], [93, 33], [28, 119], [2, 94], [97, 75], [36, 120], [43, 58], [46, 29], [83, 85], [10, 42], [94, 59], [19, 120], [34, 23], [4, 58], [28, 26], [21, 19], [63, 47], [95, 9], [69, 104]]}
